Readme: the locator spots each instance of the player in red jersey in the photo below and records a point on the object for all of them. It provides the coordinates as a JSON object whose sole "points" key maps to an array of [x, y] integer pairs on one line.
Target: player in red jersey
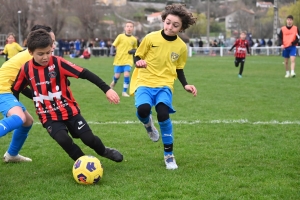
{"points": [[241, 48], [55, 105]]}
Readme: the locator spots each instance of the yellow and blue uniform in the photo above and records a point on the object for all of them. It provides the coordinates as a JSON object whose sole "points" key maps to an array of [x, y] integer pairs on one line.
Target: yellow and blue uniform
{"points": [[8, 74], [124, 43], [12, 49], [153, 85]]}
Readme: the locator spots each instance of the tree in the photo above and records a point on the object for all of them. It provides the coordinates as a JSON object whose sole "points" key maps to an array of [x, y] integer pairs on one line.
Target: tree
{"points": [[86, 11], [199, 29], [53, 14], [295, 11], [11, 9]]}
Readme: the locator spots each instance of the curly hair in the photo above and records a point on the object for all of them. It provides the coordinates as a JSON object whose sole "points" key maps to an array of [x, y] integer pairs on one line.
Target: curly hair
{"points": [[179, 10]]}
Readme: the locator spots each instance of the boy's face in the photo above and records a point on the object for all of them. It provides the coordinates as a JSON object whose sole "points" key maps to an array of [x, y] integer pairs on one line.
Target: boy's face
{"points": [[10, 39], [243, 36], [289, 22], [42, 55], [172, 25], [128, 28]]}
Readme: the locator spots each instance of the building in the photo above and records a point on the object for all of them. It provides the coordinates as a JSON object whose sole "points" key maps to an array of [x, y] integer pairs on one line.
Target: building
{"points": [[240, 19], [154, 18], [111, 2], [263, 4]]}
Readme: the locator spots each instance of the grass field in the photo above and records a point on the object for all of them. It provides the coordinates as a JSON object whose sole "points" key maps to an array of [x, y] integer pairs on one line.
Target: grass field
{"points": [[238, 139]]}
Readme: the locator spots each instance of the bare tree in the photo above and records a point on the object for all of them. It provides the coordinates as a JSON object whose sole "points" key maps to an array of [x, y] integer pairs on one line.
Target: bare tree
{"points": [[53, 14], [86, 11], [11, 9]]}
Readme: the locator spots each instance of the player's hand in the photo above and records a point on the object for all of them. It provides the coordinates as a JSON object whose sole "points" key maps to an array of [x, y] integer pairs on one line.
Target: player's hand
{"points": [[112, 96], [282, 47], [141, 64], [192, 89]]}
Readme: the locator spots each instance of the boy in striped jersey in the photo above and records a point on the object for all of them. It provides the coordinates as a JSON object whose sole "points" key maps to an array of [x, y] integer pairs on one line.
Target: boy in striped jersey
{"points": [[55, 105]]}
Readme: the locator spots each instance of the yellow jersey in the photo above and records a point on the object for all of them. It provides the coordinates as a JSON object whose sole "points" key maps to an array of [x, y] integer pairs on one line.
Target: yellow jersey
{"points": [[10, 69], [123, 44], [163, 57], [12, 49]]}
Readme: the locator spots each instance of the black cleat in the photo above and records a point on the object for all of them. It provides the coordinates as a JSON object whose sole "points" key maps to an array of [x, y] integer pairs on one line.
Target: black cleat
{"points": [[113, 154]]}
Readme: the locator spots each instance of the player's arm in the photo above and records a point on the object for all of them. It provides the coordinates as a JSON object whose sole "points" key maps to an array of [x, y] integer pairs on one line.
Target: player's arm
{"points": [[111, 95], [232, 47], [297, 39], [280, 38], [141, 52], [20, 84]]}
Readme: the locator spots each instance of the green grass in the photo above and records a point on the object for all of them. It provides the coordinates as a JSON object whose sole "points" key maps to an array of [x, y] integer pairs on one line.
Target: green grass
{"points": [[238, 139]]}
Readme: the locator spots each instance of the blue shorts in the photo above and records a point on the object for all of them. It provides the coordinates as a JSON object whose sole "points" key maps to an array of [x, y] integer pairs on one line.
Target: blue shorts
{"points": [[289, 51], [122, 68], [7, 102], [154, 96]]}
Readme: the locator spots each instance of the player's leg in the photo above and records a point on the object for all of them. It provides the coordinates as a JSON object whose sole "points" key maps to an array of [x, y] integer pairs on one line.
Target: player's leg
{"points": [[236, 62], [163, 108], [127, 69], [293, 53], [58, 131], [18, 139], [117, 72], [13, 114], [242, 68], [143, 103], [79, 128], [285, 54]]}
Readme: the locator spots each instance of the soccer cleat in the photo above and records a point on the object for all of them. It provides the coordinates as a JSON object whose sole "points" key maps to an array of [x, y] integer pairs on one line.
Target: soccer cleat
{"points": [[151, 130], [124, 94], [112, 85], [113, 154], [18, 158], [170, 162], [240, 76], [293, 75], [287, 76]]}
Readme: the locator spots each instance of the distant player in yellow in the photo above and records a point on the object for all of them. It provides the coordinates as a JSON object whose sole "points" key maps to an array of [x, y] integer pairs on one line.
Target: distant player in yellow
{"points": [[159, 60], [11, 48], [123, 60], [16, 117]]}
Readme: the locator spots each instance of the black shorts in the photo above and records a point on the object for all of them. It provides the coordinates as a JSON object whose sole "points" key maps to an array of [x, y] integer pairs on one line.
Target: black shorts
{"points": [[75, 125], [240, 60]]}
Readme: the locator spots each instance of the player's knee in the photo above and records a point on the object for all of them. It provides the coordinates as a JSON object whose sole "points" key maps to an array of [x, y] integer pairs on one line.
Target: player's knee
{"points": [[63, 139], [144, 110], [162, 112]]}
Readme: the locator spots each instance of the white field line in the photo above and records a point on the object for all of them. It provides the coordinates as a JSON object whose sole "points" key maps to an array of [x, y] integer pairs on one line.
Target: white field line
{"points": [[218, 121]]}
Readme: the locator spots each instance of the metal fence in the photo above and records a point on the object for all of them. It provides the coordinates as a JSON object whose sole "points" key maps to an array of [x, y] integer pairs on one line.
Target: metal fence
{"points": [[224, 51]]}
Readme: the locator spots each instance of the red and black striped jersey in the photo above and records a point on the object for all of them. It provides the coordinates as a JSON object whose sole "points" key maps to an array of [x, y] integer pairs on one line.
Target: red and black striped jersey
{"points": [[52, 97], [241, 48]]}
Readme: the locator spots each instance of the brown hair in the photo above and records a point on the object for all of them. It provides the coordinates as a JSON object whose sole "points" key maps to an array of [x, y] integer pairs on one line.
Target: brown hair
{"points": [[179, 10], [38, 39]]}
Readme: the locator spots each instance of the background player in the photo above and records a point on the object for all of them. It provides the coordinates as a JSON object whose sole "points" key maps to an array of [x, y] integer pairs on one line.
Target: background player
{"points": [[288, 39], [11, 48], [159, 60], [123, 59], [241, 48]]}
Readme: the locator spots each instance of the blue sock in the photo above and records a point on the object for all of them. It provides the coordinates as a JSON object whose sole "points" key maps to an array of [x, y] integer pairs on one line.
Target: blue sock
{"points": [[18, 138], [126, 84], [143, 120], [10, 123], [115, 79], [166, 129]]}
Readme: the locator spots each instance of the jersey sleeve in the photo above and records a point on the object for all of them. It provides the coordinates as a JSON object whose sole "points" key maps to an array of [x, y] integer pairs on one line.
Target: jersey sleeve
{"points": [[143, 48], [70, 69], [21, 81], [5, 49], [19, 47], [117, 41]]}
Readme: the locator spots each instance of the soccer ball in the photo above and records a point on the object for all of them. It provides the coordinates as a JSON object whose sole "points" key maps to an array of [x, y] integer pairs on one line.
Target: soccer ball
{"points": [[87, 170]]}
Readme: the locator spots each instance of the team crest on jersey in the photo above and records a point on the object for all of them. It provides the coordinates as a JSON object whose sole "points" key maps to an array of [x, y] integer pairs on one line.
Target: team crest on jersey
{"points": [[52, 74], [174, 56]]}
